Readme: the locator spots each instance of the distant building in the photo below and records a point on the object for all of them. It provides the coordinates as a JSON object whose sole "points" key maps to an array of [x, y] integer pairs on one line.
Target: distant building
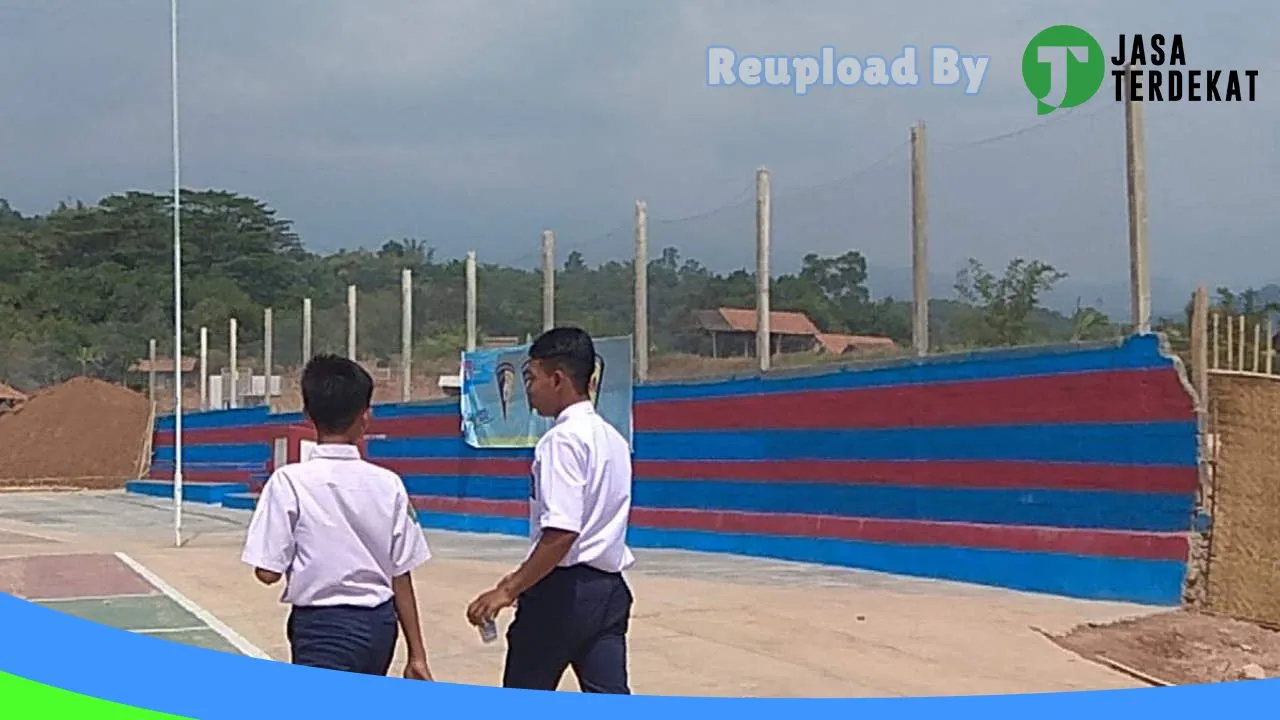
{"points": [[140, 373], [732, 331], [836, 344], [163, 365]]}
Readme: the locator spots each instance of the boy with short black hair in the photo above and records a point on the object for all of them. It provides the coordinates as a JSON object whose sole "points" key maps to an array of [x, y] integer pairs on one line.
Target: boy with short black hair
{"points": [[343, 534], [573, 605]]}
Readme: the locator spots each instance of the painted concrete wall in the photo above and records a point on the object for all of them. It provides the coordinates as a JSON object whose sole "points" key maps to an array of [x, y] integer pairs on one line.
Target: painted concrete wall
{"points": [[1068, 471]]}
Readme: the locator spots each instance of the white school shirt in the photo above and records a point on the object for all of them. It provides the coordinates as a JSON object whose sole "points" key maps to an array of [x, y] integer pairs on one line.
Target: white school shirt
{"points": [[337, 527], [582, 483]]}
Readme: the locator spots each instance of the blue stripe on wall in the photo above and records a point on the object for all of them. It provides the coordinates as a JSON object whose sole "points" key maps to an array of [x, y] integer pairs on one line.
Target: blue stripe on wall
{"points": [[248, 453], [1155, 582], [430, 408], [1165, 443], [1145, 512], [1137, 352], [218, 418]]}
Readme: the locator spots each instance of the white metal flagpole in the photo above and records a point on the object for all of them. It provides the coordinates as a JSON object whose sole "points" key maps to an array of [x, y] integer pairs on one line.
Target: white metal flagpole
{"points": [[177, 283]]}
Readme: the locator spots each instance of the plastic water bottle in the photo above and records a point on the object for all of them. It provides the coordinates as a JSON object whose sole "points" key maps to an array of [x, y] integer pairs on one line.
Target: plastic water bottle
{"points": [[488, 632]]}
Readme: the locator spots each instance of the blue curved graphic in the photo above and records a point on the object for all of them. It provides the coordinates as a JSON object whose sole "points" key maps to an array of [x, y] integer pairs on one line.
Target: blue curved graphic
{"points": [[97, 661]]}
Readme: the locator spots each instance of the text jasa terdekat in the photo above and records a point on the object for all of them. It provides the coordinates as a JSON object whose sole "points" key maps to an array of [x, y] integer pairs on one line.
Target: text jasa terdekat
{"points": [[1156, 66]]}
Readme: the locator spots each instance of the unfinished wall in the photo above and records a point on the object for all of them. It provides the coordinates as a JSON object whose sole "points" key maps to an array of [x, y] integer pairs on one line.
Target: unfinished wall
{"points": [[1244, 548]]}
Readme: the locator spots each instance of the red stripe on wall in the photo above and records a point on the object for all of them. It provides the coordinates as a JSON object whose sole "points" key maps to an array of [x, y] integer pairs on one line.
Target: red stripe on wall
{"points": [[427, 426], [1147, 546], [1145, 395], [421, 427], [222, 436], [1041, 476], [486, 467]]}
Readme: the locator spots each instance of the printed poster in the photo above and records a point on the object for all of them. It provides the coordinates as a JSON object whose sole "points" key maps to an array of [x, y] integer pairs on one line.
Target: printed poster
{"points": [[495, 409]]}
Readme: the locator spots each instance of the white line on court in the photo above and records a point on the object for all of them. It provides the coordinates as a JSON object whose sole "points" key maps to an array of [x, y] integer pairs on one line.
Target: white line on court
{"points": [[236, 639], [31, 533], [162, 631], [96, 598]]}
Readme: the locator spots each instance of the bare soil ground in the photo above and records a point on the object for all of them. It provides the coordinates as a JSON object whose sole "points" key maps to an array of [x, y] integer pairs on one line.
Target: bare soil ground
{"points": [[1181, 647]]}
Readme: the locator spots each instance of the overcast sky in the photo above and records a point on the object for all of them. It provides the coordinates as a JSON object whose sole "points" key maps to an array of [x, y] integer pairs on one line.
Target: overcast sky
{"points": [[477, 124]]}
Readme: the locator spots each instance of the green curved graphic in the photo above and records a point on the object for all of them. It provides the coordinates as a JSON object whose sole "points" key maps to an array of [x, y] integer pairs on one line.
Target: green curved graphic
{"points": [[21, 698]]}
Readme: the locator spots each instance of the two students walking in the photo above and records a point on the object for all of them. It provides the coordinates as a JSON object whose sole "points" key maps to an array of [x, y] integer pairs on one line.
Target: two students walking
{"points": [[343, 535]]}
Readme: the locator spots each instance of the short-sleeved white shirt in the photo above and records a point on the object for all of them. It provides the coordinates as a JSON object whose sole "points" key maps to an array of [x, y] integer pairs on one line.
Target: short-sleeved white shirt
{"points": [[337, 527], [582, 483]]}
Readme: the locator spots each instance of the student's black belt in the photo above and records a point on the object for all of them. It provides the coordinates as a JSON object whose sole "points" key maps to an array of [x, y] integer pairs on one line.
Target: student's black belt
{"points": [[584, 567]]}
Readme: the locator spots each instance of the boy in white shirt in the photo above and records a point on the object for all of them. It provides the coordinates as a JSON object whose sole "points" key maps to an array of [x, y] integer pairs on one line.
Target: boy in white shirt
{"points": [[573, 606], [344, 535]]}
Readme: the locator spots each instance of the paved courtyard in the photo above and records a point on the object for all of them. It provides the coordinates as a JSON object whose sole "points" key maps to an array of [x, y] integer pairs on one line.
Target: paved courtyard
{"points": [[704, 624]]}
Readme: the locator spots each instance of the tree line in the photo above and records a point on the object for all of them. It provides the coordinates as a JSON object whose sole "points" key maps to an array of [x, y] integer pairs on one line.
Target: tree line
{"points": [[84, 287]]}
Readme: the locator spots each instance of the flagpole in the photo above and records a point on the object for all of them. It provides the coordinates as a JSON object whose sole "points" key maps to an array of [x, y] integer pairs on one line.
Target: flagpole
{"points": [[177, 282]]}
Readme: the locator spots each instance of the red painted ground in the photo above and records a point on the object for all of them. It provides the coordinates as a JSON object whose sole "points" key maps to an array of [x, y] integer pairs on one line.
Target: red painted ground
{"points": [[54, 577]]}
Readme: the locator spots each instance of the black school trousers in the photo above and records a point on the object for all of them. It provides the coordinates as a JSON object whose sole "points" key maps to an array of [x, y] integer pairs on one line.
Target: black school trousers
{"points": [[574, 617], [348, 638]]}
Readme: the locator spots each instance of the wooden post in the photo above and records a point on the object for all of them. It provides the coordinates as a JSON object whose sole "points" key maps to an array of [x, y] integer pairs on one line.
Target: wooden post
{"points": [[764, 348], [204, 368], [268, 352], [1240, 355], [548, 280], [919, 244], [351, 321], [642, 291], [471, 300], [233, 391], [1199, 343], [406, 335], [1271, 350], [306, 330], [151, 374], [1231, 345], [1136, 190], [1216, 333], [1257, 347]]}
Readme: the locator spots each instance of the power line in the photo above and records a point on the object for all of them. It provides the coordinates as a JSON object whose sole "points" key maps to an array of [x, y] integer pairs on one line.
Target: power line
{"points": [[863, 170], [732, 203], [1018, 132]]}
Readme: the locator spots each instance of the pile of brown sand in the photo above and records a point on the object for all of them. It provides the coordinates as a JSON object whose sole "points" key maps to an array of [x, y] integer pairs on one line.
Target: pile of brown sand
{"points": [[83, 433]]}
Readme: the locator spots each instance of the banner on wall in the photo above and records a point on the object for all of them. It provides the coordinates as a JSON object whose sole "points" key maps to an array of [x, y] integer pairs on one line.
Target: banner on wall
{"points": [[495, 409]]}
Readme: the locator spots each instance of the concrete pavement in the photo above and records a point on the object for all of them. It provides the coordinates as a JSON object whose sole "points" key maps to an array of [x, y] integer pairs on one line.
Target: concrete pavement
{"points": [[704, 624]]}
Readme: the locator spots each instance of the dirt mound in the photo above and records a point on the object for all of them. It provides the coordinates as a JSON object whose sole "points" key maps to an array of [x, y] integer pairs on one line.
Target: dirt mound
{"points": [[84, 433], [1180, 647]]}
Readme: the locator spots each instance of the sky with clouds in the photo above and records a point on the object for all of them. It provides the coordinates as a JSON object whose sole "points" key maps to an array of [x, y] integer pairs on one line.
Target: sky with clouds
{"points": [[477, 124]]}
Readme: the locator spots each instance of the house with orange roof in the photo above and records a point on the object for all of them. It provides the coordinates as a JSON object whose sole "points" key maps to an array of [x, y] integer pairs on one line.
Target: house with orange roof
{"points": [[732, 332]]}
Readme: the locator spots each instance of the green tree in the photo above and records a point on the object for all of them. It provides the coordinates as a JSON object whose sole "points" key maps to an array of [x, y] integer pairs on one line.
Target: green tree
{"points": [[84, 286], [1007, 303]]}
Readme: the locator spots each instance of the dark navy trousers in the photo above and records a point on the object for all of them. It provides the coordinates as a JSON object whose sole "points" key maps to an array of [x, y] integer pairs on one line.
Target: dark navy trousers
{"points": [[352, 639], [574, 617]]}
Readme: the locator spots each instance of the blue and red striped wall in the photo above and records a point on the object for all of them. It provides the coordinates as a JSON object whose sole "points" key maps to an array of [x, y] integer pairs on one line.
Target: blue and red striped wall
{"points": [[1067, 471]]}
